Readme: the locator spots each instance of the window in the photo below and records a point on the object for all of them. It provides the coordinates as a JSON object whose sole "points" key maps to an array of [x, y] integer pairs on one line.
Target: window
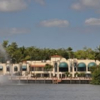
{"points": [[15, 68], [1, 68], [39, 69], [55, 65], [32, 68], [24, 68], [8, 69]]}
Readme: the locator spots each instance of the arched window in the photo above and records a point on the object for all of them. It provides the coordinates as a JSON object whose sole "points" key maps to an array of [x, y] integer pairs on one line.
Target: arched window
{"points": [[63, 67], [81, 66], [24, 68], [91, 64], [8, 69], [15, 69]]}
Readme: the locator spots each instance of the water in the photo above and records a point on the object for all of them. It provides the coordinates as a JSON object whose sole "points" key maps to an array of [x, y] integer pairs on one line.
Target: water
{"points": [[49, 92]]}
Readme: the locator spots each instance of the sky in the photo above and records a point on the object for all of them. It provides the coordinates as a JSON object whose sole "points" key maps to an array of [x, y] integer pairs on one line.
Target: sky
{"points": [[51, 23]]}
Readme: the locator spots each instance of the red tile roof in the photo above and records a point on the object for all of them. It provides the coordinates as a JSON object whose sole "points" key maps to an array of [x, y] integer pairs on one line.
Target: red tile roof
{"points": [[56, 56]]}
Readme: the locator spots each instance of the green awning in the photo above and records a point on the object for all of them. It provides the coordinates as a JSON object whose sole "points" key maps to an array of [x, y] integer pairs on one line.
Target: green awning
{"points": [[81, 65], [91, 64], [63, 65]]}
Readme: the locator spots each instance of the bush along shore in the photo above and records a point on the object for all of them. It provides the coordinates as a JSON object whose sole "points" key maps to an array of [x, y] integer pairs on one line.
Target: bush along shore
{"points": [[95, 75]]}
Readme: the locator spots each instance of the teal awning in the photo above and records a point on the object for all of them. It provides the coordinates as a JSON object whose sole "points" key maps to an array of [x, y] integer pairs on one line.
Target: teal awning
{"points": [[1, 67], [63, 65], [81, 65], [91, 64], [24, 67]]}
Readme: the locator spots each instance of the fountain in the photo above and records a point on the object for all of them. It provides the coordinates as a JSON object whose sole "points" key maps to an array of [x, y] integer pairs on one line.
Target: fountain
{"points": [[4, 79], [10, 76]]}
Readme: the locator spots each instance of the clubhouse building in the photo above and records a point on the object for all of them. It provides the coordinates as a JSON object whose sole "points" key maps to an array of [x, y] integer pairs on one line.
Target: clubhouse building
{"points": [[60, 66]]}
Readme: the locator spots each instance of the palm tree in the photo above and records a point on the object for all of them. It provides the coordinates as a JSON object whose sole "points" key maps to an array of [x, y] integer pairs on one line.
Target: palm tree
{"points": [[67, 74], [76, 74], [69, 49], [48, 67], [97, 53]]}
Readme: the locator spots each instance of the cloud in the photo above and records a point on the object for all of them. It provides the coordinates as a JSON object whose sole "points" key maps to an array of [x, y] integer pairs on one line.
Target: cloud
{"points": [[76, 6], [81, 4], [13, 31], [54, 23], [17, 5], [12, 5], [92, 21], [41, 2]]}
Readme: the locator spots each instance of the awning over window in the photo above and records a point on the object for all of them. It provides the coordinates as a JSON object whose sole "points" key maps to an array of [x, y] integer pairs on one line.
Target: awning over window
{"points": [[91, 64], [81, 65], [63, 65]]}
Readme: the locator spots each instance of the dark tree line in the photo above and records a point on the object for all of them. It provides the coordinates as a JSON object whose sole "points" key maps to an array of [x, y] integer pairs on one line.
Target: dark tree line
{"points": [[18, 54]]}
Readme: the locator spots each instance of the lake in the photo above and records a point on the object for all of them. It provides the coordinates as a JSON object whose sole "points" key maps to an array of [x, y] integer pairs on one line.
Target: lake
{"points": [[50, 92]]}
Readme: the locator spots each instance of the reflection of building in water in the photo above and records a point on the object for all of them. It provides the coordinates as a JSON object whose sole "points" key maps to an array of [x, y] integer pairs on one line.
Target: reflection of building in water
{"points": [[60, 67]]}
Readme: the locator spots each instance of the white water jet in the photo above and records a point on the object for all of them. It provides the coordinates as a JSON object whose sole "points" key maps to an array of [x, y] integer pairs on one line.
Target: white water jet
{"points": [[3, 53], [4, 79]]}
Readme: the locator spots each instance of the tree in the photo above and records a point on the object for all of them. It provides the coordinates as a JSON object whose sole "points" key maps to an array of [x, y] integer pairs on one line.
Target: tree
{"points": [[96, 75], [11, 50], [97, 53], [24, 56], [5, 44], [67, 74], [82, 74], [86, 53], [48, 67], [71, 54], [76, 74]]}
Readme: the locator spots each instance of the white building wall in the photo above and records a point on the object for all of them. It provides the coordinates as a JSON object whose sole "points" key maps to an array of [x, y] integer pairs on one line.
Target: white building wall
{"points": [[51, 62]]}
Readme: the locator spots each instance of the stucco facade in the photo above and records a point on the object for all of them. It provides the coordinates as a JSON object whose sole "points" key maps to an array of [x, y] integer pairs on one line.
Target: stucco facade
{"points": [[60, 67]]}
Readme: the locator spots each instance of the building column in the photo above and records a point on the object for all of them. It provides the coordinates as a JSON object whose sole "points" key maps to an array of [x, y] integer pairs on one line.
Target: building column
{"points": [[69, 69], [4, 69], [53, 69], [58, 70], [73, 70], [28, 69], [49, 75], [41, 76], [86, 68]]}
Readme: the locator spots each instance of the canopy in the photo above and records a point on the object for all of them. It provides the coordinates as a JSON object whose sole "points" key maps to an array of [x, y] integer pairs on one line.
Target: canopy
{"points": [[63, 65], [81, 65], [91, 64]]}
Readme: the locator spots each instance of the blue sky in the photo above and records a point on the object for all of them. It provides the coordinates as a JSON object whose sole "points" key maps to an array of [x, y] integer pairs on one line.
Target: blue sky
{"points": [[51, 23]]}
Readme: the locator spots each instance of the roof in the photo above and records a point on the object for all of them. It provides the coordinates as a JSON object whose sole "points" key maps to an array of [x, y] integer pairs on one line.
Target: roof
{"points": [[56, 56]]}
